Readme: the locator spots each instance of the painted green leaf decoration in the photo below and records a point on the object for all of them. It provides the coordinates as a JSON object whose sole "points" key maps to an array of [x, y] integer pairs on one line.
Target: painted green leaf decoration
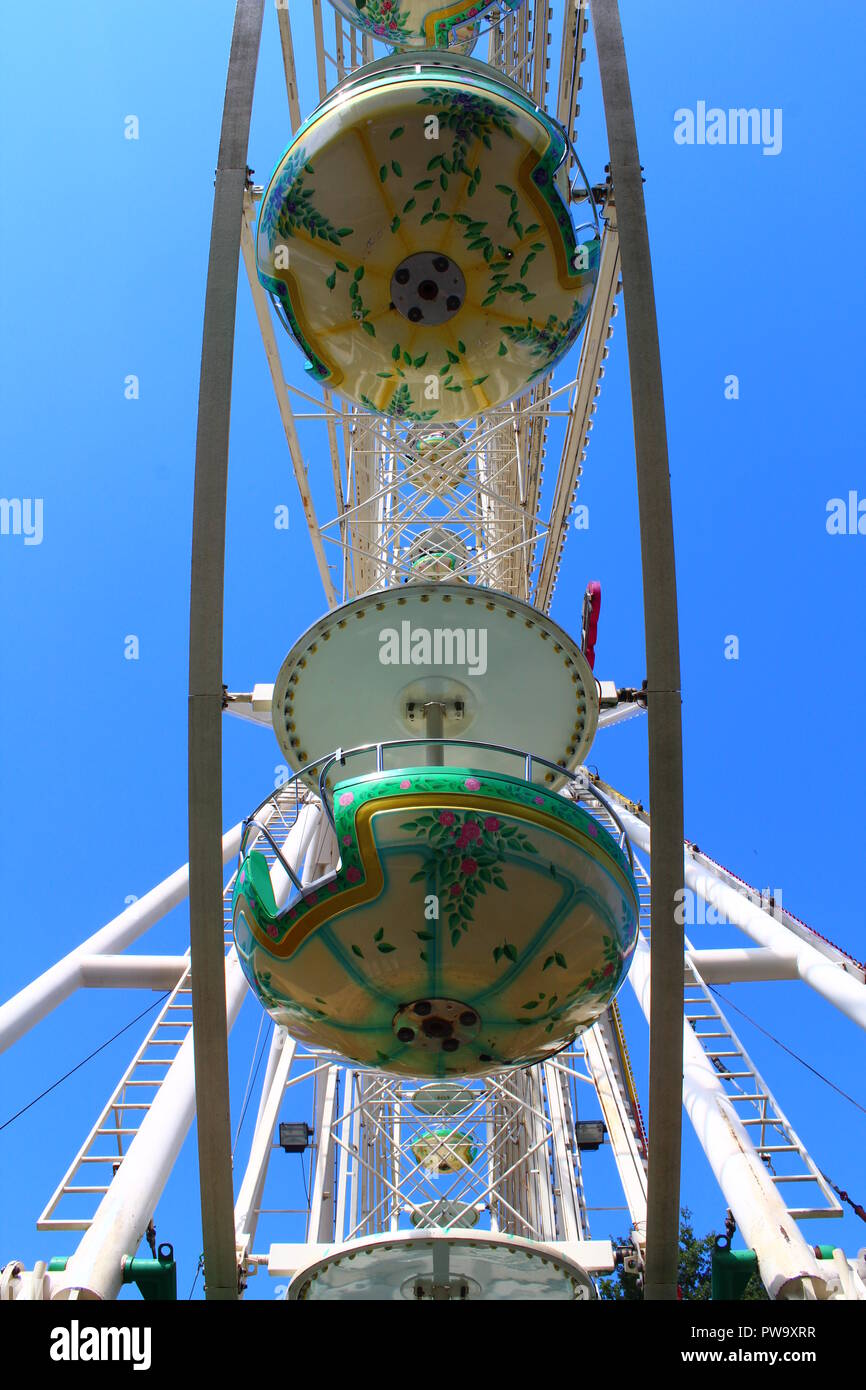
{"points": [[341, 266], [397, 168], [358, 952], [509, 950], [368, 328], [549, 961], [408, 205], [561, 961], [331, 280], [377, 936], [419, 361], [425, 936], [395, 352], [384, 947], [383, 173], [397, 132], [530, 1004], [455, 937]]}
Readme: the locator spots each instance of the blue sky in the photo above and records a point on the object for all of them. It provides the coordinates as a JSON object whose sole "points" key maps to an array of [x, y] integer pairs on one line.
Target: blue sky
{"points": [[103, 273]]}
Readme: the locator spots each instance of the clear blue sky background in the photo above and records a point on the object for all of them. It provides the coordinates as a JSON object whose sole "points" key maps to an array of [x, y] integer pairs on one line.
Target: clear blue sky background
{"points": [[103, 271]]}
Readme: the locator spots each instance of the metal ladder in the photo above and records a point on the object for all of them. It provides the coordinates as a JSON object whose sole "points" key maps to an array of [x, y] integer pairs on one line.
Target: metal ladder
{"points": [[775, 1140], [73, 1204], [100, 1156]]}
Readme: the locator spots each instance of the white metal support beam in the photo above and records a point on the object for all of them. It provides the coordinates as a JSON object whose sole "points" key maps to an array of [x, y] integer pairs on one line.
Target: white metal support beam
{"points": [[824, 973], [662, 656], [252, 1186], [787, 1264], [122, 1216], [29, 1005]]}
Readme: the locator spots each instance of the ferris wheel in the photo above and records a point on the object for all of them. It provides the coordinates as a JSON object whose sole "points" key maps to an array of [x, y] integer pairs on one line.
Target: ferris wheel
{"points": [[438, 905]]}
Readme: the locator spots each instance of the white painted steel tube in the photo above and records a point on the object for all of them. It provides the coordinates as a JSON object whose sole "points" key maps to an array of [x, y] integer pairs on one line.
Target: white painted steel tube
{"points": [[122, 1216], [252, 1186], [831, 981], [295, 850], [739, 965], [784, 1258], [132, 972], [29, 1005]]}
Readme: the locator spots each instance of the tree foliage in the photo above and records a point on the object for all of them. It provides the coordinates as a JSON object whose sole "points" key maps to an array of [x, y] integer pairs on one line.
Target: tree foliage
{"points": [[695, 1269]]}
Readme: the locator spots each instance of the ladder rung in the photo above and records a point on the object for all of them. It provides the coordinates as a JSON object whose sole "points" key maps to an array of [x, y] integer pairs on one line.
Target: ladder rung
{"points": [[779, 1149], [64, 1225], [117, 1131], [85, 1189], [794, 1177], [813, 1213]]}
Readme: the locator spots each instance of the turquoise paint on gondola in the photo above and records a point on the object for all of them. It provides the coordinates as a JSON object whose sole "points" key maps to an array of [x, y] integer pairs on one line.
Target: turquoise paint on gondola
{"points": [[484, 832]]}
